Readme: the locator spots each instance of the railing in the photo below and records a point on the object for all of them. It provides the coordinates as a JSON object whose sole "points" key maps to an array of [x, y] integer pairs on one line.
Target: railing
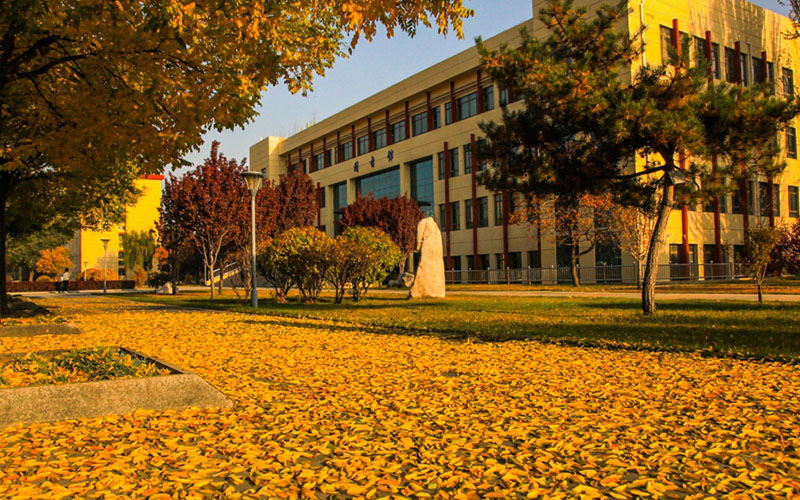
{"points": [[225, 272], [599, 274]]}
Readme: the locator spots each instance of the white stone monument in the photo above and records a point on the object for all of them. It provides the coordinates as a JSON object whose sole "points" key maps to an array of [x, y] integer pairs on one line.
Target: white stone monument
{"points": [[429, 280]]}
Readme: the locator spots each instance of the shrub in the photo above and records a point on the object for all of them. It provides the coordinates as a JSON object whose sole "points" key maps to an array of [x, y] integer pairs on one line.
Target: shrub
{"points": [[350, 259], [301, 255], [274, 265], [93, 274], [159, 279], [786, 254], [53, 261], [44, 277], [139, 277], [383, 256]]}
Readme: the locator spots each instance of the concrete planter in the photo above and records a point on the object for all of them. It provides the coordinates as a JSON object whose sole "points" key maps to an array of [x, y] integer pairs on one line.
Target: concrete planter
{"points": [[45, 403]]}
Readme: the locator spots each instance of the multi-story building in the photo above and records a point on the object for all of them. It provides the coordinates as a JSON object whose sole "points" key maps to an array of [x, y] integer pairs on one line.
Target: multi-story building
{"points": [[417, 137], [86, 247]]}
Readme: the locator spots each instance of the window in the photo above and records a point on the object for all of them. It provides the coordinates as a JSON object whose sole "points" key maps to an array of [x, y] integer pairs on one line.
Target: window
{"points": [[322, 197], [716, 64], [534, 258], [499, 261], [442, 219], [763, 199], [467, 106], [503, 97], [483, 211], [319, 161], [468, 214], [467, 158], [791, 142], [736, 202], [437, 117], [422, 184], [498, 210], [454, 162], [730, 65], [339, 202], [794, 202], [347, 151], [666, 43], [788, 82], [515, 260], [379, 138], [399, 131], [419, 123], [330, 157], [380, 184], [363, 145], [488, 98], [686, 46], [699, 50], [448, 114], [743, 61], [770, 72], [440, 164], [455, 215], [758, 76], [776, 198]]}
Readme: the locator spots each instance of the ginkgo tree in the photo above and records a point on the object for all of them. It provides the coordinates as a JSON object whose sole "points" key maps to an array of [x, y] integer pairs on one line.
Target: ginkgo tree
{"points": [[91, 91]]}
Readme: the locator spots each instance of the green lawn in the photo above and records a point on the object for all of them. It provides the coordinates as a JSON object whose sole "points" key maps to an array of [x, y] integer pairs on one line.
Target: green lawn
{"points": [[740, 329]]}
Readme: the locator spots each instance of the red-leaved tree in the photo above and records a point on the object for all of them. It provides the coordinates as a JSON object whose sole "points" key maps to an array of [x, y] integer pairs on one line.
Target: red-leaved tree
{"points": [[171, 235], [396, 217], [212, 201], [295, 201]]}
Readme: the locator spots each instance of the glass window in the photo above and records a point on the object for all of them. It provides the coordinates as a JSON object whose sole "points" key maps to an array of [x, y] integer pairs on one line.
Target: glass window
{"points": [[339, 203], [771, 71], [498, 210], [503, 97], [488, 98], [744, 63], [666, 43], [730, 65], [468, 214], [422, 184], [483, 211], [794, 202], [448, 115], [329, 157], [758, 77], [347, 151], [499, 261], [716, 64], [607, 253], [699, 50], [437, 117], [319, 161], [363, 145], [419, 123], [379, 138], [736, 202], [468, 158], [440, 164], [454, 162], [776, 197], [763, 199], [455, 215], [322, 197], [442, 218], [791, 142], [380, 184], [467, 106], [788, 82], [399, 131]]}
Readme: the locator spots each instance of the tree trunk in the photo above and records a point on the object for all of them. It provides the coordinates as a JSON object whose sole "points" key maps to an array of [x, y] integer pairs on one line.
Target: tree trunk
{"points": [[3, 285], [211, 275], [656, 246], [760, 295], [576, 279]]}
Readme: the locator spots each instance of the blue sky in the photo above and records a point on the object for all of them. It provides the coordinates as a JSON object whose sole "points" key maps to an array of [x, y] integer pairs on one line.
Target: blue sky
{"points": [[371, 68]]}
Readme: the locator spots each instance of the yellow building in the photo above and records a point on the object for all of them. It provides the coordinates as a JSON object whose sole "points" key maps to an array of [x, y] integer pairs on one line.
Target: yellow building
{"points": [[416, 138], [86, 247]]}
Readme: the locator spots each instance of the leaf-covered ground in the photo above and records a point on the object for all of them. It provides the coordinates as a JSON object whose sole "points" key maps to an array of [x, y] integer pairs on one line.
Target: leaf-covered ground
{"points": [[327, 411]]}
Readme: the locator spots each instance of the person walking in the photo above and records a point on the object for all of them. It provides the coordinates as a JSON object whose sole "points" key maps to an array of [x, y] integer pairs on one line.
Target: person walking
{"points": [[64, 282]]}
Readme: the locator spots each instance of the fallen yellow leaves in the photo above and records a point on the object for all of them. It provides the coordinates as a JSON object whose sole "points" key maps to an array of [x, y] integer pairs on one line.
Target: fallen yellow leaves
{"points": [[326, 411]]}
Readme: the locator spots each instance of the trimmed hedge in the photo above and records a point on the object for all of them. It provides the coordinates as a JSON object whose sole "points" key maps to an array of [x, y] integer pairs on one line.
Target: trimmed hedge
{"points": [[50, 286]]}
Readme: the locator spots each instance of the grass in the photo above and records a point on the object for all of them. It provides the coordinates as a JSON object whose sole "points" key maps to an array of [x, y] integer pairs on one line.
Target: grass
{"points": [[725, 328]]}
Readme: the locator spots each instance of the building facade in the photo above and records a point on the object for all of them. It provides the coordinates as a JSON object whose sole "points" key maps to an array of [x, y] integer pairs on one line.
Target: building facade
{"points": [[417, 137], [86, 247]]}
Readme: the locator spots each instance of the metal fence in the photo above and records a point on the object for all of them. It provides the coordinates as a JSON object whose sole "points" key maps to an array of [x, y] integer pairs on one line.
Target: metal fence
{"points": [[600, 274]]}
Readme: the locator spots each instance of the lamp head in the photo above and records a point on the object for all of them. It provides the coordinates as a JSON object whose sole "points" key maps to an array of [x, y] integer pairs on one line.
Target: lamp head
{"points": [[105, 242], [254, 181]]}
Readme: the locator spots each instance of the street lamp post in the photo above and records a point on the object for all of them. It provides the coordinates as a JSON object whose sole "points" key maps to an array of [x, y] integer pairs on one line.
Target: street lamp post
{"points": [[254, 181], [105, 263]]}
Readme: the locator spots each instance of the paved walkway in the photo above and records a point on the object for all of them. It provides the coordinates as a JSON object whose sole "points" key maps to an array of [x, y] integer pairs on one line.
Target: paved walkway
{"points": [[265, 292]]}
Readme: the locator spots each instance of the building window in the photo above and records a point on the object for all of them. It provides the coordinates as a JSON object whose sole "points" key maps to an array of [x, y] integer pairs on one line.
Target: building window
{"points": [[363, 145], [488, 98], [422, 184], [499, 261], [329, 158], [440, 164], [379, 138], [319, 161], [442, 218], [791, 142], [339, 203], [498, 210], [770, 72], [468, 158], [448, 114], [399, 131], [467, 106], [699, 50], [483, 211], [455, 215], [437, 117], [788, 82], [347, 151], [380, 184], [716, 64], [730, 65], [419, 123], [794, 202], [743, 61], [758, 77], [454, 162], [666, 43], [468, 213], [503, 97]]}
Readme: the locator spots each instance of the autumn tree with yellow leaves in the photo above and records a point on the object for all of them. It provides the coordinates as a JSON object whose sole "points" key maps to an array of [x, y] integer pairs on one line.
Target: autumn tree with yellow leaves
{"points": [[96, 93]]}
